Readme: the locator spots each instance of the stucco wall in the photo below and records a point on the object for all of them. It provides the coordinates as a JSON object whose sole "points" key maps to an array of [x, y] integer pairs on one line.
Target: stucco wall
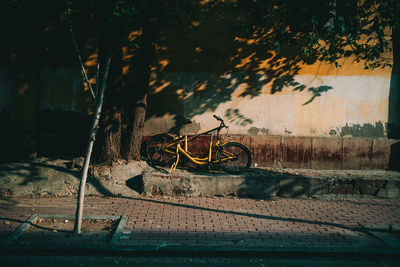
{"points": [[334, 102], [219, 68], [350, 103]]}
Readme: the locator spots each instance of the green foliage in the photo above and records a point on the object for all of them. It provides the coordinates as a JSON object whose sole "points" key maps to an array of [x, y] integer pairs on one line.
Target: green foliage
{"points": [[329, 30], [326, 30]]}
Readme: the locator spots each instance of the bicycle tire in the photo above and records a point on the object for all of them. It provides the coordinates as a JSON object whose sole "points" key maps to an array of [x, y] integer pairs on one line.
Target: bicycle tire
{"points": [[155, 150], [237, 165]]}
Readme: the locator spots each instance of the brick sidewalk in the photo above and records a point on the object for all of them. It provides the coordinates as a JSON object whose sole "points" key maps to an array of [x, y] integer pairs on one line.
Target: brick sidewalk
{"points": [[232, 223]]}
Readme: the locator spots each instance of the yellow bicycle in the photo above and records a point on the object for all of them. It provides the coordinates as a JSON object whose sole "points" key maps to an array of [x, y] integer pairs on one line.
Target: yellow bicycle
{"points": [[168, 148]]}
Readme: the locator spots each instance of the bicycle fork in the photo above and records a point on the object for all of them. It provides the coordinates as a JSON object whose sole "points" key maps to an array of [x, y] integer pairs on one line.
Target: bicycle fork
{"points": [[173, 167], [210, 148], [175, 164]]}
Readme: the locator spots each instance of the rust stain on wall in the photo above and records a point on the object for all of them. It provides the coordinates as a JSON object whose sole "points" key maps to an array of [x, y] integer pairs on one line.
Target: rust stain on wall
{"points": [[296, 152], [326, 153], [266, 150], [357, 154]]}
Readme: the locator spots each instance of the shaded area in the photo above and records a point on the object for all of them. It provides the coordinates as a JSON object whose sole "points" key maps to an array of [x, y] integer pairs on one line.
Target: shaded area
{"points": [[43, 178], [211, 258], [59, 233], [62, 133], [337, 232], [136, 184], [25, 66], [394, 93], [197, 65], [56, 179], [264, 184], [394, 160]]}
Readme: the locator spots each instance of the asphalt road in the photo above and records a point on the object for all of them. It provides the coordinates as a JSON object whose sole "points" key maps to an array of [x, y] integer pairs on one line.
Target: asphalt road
{"points": [[150, 261]]}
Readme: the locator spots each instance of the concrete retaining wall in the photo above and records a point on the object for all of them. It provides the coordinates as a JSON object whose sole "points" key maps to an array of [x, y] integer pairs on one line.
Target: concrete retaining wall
{"points": [[262, 183]]}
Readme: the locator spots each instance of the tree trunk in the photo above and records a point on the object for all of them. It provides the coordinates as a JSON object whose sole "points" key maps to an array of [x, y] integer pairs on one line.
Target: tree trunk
{"points": [[109, 144], [112, 137], [394, 103], [394, 94], [135, 131], [136, 110], [92, 136], [38, 101]]}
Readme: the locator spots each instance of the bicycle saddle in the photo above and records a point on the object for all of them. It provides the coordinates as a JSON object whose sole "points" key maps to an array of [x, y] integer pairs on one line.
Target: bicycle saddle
{"points": [[179, 123]]}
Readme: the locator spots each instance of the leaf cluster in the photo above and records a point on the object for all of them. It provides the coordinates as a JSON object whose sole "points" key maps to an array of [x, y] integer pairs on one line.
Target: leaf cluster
{"points": [[328, 30]]}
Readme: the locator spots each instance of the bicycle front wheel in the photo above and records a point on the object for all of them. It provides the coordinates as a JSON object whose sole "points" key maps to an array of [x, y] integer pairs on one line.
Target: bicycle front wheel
{"points": [[234, 158], [160, 150]]}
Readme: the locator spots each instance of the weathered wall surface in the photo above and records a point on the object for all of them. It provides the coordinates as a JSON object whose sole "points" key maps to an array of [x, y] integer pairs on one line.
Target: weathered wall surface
{"points": [[325, 153], [352, 105], [226, 71]]}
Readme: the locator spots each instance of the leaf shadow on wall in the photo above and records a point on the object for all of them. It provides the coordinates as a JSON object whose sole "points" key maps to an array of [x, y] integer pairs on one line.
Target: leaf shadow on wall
{"points": [[226, 55]]}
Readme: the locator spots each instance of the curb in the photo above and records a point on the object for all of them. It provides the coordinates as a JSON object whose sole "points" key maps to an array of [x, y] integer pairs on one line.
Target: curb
{"points": [[202, 251], [32, 219]]}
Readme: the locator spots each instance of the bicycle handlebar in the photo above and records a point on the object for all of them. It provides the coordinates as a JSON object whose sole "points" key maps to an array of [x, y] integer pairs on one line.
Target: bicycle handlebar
{"points": [[221, 120], [218, 118]]}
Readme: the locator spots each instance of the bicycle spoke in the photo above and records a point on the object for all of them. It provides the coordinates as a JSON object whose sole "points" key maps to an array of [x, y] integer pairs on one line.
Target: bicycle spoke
{"points": [[234, 158], [160, 151]]}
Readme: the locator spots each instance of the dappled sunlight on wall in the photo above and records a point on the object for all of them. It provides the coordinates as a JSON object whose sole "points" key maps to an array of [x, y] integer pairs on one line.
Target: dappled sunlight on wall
{"points": [[245, 76], [215, 63]]}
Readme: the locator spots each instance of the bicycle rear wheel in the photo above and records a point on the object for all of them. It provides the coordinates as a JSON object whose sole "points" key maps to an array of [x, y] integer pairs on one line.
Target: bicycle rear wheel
{"points": [[234, 158], [160, 150]]}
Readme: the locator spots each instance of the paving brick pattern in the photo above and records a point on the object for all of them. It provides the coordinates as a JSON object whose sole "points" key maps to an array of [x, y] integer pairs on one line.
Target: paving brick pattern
{"points": [[229, 222]]}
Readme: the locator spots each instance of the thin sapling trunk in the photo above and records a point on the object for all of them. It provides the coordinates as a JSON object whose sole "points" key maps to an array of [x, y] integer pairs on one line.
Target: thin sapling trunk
{"points": [[92, 135]]}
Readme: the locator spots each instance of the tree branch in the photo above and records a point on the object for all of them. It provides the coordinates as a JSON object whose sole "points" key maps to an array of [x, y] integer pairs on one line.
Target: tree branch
{"points": [[80, 58]]}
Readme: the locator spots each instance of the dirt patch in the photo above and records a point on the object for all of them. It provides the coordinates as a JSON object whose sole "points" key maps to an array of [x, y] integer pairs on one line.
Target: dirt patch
{"points": [[59, 233], [60, 178]]}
